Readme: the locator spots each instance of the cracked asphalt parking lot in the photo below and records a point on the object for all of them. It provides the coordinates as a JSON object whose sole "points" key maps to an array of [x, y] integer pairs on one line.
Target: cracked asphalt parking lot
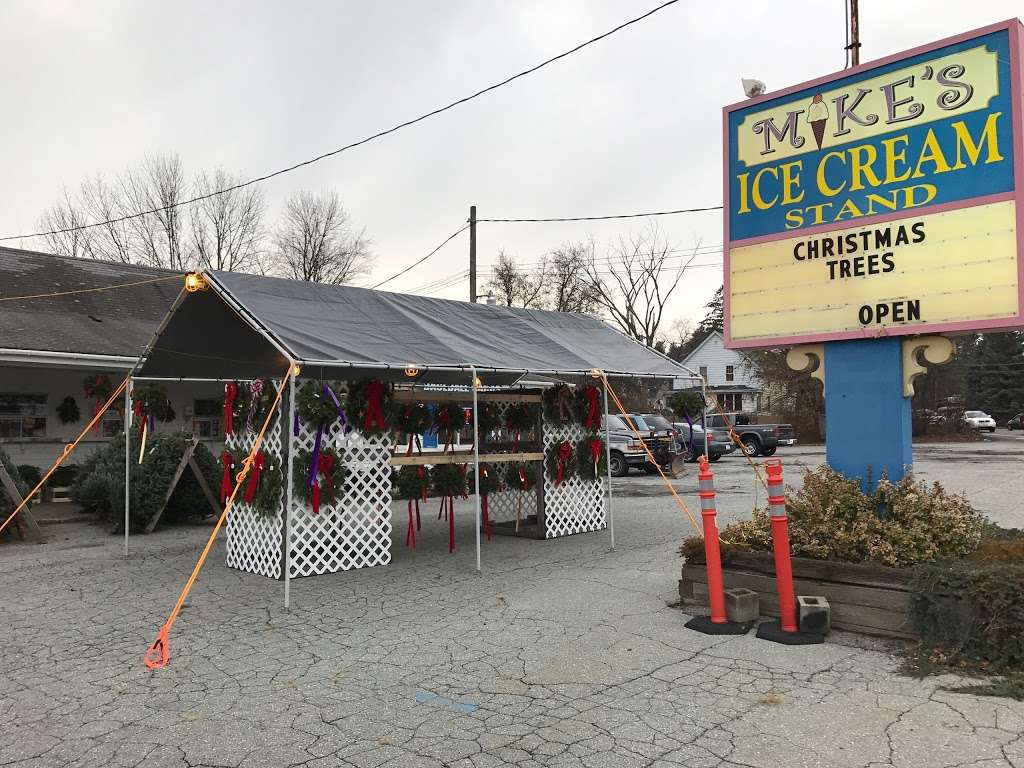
{"points": [[561, 653]]}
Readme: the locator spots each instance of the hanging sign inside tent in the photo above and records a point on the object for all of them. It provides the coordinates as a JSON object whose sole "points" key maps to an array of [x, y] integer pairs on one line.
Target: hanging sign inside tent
{"points": [[881, 200]]}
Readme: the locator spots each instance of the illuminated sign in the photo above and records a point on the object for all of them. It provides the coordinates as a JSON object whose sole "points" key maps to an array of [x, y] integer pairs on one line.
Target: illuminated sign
{"points": [[882, 200]]}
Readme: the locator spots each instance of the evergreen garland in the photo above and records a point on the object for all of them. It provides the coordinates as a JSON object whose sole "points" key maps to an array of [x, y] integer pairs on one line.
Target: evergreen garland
{"points": [[585, 460], [68, 411], [359, 404]]}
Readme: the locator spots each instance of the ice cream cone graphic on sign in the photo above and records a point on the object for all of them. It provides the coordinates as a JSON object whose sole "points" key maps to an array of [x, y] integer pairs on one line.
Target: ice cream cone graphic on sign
{"points": [[817, 116]]}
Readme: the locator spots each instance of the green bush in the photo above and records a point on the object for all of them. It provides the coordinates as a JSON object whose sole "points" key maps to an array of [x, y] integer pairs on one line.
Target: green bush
{"points": [[966, 609], [901, 524], [99, 484], [30, 475]]}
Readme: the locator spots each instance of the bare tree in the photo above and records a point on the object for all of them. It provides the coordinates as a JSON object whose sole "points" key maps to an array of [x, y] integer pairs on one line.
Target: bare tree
{"points": [[636, 282], [158, 185], [568, 284], [315, 241], [227, 229], [103, 202], [66, 215], [513, 287]]}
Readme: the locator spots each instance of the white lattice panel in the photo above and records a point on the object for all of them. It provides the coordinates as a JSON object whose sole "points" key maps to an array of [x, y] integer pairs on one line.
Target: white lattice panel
{"points": [[354, 531], [254, 540], [576, 505]]}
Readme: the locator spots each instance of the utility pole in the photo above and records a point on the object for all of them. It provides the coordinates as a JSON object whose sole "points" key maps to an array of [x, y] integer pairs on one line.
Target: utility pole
{"points": [[854, 34], [472, 254]]}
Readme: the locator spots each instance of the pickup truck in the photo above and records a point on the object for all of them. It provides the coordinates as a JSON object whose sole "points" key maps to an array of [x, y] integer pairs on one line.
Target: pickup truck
{"points": [[627, 451], [757, 439]]}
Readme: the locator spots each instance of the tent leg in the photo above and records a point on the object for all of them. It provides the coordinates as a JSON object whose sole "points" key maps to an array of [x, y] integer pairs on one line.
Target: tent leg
{"points": [[476, 465], [608, 465], [127, 421], [289, 449]]}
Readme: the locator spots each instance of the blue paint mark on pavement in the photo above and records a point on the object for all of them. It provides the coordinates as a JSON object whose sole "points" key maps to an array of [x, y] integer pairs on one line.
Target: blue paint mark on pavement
{"points": [[425, 697]]}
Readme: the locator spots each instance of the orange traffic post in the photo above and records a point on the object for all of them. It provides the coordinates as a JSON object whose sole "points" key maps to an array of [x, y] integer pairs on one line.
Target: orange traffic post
{"points": [[786, 630], [718, 623]]}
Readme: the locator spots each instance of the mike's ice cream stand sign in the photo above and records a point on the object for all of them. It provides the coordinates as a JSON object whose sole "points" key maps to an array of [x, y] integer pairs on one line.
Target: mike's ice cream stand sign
{"points": [[882, 200]]}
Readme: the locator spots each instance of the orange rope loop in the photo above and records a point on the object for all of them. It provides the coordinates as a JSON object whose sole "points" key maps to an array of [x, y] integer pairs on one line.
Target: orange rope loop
{"points": [[679, 501], [65, 453], [158, 654]]}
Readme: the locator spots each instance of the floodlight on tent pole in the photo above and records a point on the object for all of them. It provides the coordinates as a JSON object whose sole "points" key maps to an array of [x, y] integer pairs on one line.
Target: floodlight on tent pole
{"points": [[194, 281]]}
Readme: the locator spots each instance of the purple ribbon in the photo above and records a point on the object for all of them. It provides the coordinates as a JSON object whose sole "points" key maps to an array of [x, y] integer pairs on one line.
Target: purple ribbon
{"points": [[314, 461], [295, 424]]}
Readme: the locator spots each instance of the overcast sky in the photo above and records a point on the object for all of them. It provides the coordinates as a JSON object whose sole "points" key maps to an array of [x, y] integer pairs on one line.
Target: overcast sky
{"points": [[630, 124]]}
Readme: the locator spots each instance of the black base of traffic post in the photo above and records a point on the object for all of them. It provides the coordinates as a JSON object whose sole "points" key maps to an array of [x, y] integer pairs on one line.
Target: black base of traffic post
{"points": [[772, 630], [708, 627]]}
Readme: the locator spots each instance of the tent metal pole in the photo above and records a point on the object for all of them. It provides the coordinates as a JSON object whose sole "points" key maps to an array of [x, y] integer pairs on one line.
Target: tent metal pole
{"points": [[127, 421], [704, 397], [288, 443], [608, 465], [476, 466]]}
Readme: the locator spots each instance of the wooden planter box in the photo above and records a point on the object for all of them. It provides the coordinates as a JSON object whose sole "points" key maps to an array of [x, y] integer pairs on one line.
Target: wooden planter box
{"points": [[865, 598]]}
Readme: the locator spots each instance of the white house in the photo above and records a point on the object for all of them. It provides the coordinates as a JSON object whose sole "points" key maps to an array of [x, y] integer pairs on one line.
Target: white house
{"points": [[50, 345], [728, 372]]}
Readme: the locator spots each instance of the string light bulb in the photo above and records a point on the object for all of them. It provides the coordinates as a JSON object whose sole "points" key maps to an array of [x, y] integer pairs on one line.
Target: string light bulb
{"points": [[595, 373], [412, 371], [194, 281], [296, 370]]}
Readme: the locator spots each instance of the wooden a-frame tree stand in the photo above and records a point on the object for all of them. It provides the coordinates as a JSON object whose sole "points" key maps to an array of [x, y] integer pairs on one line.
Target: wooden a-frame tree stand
{"points": [[187, 460], [16, 498]]}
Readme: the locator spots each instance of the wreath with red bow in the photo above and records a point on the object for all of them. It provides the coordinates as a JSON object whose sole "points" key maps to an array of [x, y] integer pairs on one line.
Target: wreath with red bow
{"points": [[449, 480], [561, 461], [520, 418], [152, 400], [411, 483], [98, 387], [588, 406], [559, 404], [370, 406], [449, 419], [329, 480], [313, 407], [491, 479], [591, 458], [409, 421], [267, 501], [488, 419], [250, 404], [520, 476]]}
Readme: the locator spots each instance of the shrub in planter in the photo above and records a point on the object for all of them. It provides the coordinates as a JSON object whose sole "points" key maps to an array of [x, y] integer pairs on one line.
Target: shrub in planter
{"points": [[901, 524], [30, 475], [99, 484]]}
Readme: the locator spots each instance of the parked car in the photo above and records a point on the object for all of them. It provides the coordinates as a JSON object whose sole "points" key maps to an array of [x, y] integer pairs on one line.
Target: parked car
{"points": [[626, 451], [758, 439], [1017, 422], [717, 447], [979, 420]]}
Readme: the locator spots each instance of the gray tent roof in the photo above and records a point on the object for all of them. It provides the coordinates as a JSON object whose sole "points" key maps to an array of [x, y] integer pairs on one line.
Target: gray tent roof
{"points": [[251, 326]]}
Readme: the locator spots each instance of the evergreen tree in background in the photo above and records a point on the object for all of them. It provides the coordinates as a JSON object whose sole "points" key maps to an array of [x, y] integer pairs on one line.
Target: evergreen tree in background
{"points": [[714, 320], [995, 375]]}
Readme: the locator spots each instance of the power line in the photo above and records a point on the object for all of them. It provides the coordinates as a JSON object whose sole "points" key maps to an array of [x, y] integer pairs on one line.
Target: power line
{"points": [[445, 242], [605, 218], [91, 290], [355, 144]]}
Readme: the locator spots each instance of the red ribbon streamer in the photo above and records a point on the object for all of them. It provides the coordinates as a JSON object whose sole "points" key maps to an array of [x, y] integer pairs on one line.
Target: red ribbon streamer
{"points": [[418, 509], [230, 393], [227, 461], [374, 407], [523, 481], [486, 516], [596, 449], [451, 524], [564, 452], [258, 465], [410, 533], [325, 466], [593, 420]]}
